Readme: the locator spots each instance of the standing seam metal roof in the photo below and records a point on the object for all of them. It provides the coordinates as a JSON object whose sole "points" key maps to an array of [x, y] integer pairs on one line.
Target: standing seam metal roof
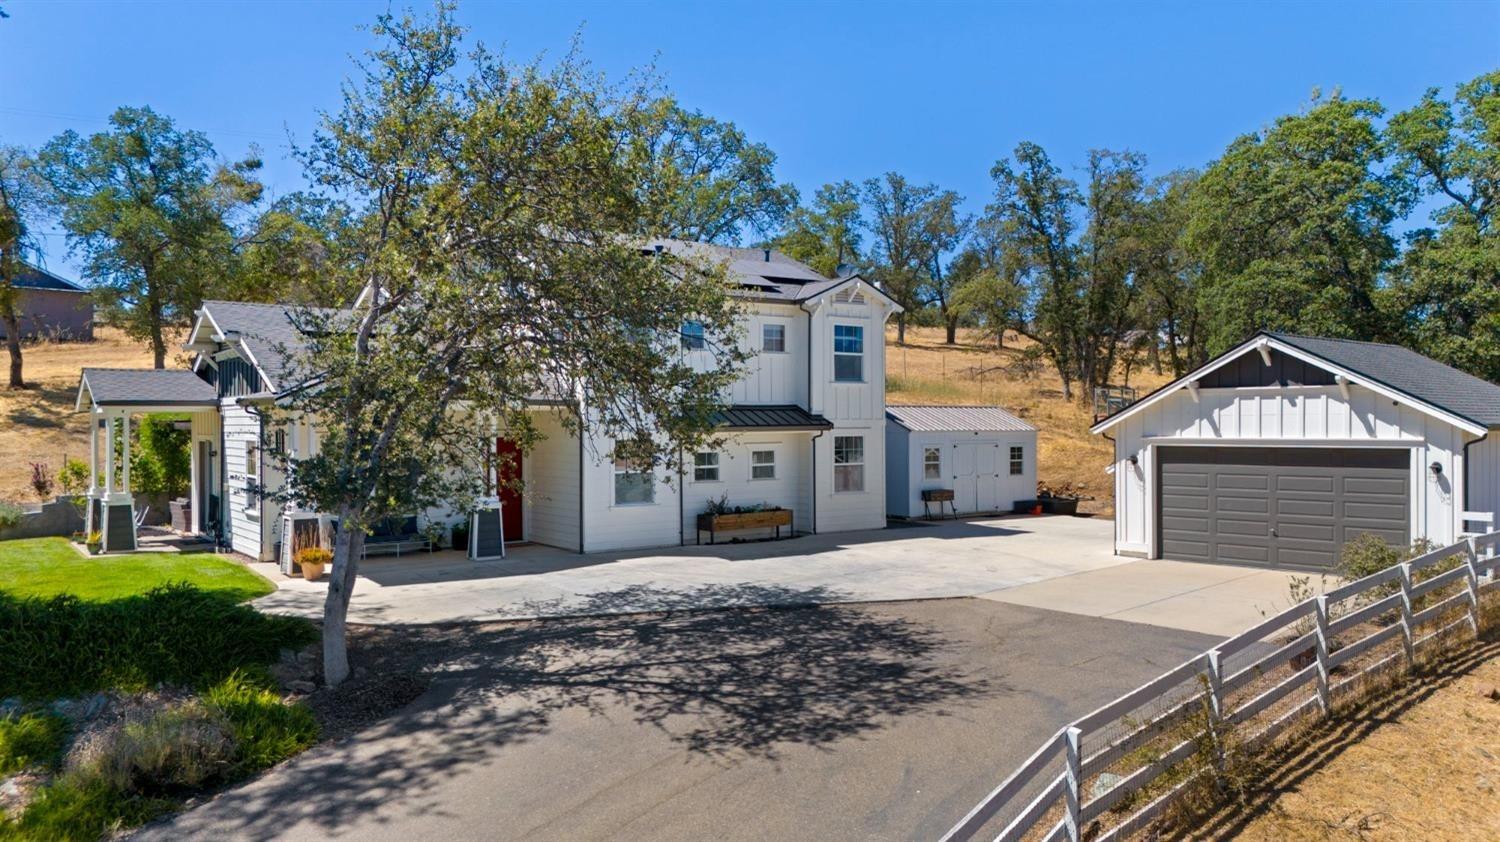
{"points": [[936, 418]]}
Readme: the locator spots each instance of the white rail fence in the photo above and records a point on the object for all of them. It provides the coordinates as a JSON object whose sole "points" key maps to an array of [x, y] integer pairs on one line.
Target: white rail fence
{"points": [[1235, 688]]}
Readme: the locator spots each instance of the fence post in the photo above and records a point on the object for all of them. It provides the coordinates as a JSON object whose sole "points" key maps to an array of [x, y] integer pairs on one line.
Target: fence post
{"points": [[1216, 712], [1073, 787], [1472, 560], [1324, 698], [1407, 638]]}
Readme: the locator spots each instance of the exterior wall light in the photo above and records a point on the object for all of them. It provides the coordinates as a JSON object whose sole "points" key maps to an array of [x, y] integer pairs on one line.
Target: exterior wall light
{"points": [[1436, 468]]}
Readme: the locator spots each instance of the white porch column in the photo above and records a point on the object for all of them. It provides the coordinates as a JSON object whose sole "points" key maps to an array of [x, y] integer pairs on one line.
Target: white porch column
{"points": [[109, 455], [125, 451], [93, 452]]}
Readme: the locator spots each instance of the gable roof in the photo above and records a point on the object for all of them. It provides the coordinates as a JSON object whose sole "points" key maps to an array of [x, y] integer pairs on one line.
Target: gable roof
{"points": [[35, 277], [145, 387], [939, 418], [1441, 390], [265, 333]]}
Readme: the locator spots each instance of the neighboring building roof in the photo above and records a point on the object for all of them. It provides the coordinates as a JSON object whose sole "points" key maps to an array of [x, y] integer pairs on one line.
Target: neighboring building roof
{"points": [[145, 387], [769, 417], [264, 331], [935, 418], [34, 277], [1425, 383], [1410, 373]]}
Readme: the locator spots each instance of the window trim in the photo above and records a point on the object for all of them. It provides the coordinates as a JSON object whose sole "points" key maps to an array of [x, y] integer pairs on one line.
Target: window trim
{"points": [[859, 355], [848, 464], [926, 463], [252, 460], [1017, 462], [766, 326], [714, 466], [627, 470], [693, 336]]}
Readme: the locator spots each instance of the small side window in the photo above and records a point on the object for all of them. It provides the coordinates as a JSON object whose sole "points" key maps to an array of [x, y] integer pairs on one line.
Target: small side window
{"points": [[692, 336], [932, 463], [1017, 460], [252, 460], [773, 338], [763, 464], [705, 467]]}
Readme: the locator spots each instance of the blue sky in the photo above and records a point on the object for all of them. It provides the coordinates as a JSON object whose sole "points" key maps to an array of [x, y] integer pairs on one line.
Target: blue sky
{"points": [[938, 91]]}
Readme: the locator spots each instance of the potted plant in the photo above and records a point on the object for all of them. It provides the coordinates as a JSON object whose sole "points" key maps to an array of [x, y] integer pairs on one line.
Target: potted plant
{"points": [[719, 516], [434, 532], [312, 560], [1062, 500], [95, 542]]}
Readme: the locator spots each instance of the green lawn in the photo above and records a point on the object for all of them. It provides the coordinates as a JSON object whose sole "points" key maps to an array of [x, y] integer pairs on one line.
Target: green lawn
{"points": [[49, 566]]}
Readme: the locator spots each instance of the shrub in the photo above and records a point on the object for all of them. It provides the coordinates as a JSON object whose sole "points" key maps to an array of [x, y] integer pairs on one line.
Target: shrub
{"points": [[266, 729], [41, 480], [64, 646], [28, 739], [172, 752], [1368, 553], [10, 515]]}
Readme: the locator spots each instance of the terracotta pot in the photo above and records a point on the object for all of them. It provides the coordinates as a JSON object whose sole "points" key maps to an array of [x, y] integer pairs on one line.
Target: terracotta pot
{"points": [[1037, 509], [312, 571]]}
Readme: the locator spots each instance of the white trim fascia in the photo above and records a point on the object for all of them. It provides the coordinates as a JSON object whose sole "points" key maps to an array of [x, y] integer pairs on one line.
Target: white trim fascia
{"points": [[83, 385], [1255, 342], [818, 300]]}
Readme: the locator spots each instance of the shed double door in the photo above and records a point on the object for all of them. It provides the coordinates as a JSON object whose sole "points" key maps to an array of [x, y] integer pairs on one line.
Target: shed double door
{"points": [[976, 476], [1285, 507]]}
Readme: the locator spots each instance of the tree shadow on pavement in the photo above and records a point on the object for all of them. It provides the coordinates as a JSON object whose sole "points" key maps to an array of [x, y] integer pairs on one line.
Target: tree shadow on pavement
{"points": [[728, 685]]}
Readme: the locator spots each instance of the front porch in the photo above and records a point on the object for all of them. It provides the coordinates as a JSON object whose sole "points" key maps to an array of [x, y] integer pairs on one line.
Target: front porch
{"points": [[114, 398]]}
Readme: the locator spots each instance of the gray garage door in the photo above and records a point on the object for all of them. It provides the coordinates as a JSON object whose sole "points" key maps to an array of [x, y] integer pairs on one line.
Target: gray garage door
{"points": [[1291, 507]]}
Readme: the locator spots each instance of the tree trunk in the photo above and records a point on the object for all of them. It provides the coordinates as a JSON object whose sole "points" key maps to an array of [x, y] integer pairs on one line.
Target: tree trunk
{"points": [[1000, 338], [900, 328], [13, 341], [952, 325], [347, 545]]}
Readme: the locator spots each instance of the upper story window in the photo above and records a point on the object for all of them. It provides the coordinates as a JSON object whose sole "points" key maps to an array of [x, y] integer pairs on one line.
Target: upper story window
{"points": [[848, 353], [763, 464], [692, 336], [773, 338], [634, 485], [1017, 460], [705, 467], [849, 463], [932, 463], [252, 459]]}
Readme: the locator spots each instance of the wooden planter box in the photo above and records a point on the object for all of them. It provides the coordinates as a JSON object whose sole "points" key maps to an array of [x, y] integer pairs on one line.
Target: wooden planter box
{"points": [[769, 519]]}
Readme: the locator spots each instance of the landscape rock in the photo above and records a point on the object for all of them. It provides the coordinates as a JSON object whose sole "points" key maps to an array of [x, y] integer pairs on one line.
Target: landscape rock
{"points": [[1489, 691], [300, 686]]}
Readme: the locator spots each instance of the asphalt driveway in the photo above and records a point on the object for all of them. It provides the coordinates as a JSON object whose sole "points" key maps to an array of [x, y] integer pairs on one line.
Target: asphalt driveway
{"points": [[830, 722], [917, 561]]}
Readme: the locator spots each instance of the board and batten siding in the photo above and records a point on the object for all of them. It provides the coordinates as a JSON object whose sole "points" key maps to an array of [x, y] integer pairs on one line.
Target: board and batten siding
{"points": [[1484, 478], [551, 475], [905, 478], [1287, 417], [241, 510]]}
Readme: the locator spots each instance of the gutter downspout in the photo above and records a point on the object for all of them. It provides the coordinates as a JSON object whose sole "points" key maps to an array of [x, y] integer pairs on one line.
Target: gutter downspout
{"points": [[681, 501], [1114, 539], [813, 467]]}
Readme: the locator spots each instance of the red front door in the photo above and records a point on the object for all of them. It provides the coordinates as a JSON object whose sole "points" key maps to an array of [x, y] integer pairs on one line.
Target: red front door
{"points": [[508, 469]]}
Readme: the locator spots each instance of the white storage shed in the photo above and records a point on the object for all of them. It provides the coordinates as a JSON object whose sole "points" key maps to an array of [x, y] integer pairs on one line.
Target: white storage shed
{"points": [[984, 455]]}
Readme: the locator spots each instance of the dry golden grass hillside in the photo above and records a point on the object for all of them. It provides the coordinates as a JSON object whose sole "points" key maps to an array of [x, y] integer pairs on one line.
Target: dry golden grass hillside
{"points": [[38, 424], [975, 371]]}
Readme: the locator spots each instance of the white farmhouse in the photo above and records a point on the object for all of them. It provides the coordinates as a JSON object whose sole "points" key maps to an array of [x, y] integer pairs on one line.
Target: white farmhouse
{"points": [[1284, 448], [805, 428]]}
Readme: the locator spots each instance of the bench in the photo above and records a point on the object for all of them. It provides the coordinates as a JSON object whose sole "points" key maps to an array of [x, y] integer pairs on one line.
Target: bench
{"points": [[395, 535]]}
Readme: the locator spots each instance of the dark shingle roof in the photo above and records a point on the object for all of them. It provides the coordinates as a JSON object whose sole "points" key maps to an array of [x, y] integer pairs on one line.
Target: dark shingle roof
{"points": [[147, 387], [765, 274], [33, 277], [772, 417], [956, 419], [265, 330], [1409, 372]]}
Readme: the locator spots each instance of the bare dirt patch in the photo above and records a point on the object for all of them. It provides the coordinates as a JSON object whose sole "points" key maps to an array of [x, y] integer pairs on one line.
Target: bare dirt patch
{"points": [[39, 423], [975, 371]]}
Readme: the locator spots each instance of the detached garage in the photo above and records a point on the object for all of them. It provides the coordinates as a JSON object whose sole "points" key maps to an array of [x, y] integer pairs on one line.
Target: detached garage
{"points": [[972, 459], [1285, 448]]}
